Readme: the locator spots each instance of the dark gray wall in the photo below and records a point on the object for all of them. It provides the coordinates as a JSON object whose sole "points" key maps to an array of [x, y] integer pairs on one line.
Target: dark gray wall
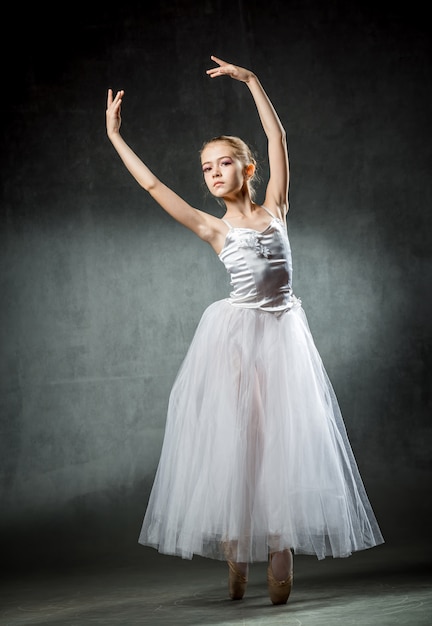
{"points": [[101, 292]]}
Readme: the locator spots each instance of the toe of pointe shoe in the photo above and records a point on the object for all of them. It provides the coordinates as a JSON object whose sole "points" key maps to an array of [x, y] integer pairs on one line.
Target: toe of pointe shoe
{"points": [[237, 582], [279, 590]]}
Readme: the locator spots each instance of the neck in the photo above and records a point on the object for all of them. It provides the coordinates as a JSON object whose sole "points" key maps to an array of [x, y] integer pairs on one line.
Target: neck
{"points": [[243, 207]]}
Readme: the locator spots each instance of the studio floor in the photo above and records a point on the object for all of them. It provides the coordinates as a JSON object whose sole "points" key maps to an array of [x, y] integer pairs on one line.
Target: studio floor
{"points": [[386, 586]]}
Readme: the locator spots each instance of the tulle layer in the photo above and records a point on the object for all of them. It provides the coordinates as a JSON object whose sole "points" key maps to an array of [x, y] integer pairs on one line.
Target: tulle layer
{"points": [[255, 455]]}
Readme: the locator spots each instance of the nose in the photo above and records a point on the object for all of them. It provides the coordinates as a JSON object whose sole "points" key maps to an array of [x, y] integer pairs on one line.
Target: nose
{"points": [[216, 172]]}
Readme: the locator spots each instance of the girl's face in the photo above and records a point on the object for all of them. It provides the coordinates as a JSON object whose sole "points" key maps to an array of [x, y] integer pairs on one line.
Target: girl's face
{"points": [[223, 173]]}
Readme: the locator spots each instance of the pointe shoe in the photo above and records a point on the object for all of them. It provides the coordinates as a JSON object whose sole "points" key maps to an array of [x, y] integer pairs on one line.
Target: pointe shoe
{"points": [[279, 590], [237, 582]]}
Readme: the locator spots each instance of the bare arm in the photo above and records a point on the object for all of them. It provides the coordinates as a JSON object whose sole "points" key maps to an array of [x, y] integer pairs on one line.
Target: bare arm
{"points": [[277, 187], [200, 223]]}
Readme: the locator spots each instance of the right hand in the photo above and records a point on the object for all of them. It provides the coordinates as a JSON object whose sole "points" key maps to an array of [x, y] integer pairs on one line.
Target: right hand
{"points": [[113, 112]]}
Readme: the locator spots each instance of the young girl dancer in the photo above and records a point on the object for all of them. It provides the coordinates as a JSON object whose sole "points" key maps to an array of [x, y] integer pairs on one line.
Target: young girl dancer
{"points": [[255, 464]]}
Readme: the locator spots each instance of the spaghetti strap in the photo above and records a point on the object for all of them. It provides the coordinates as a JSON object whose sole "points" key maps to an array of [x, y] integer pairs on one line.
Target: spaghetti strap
{"points": [[226, 222], [268, 211]]}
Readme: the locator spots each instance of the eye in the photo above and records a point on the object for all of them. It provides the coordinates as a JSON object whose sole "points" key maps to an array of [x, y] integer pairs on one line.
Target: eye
{"points": [[226, 162], [206, 169]]}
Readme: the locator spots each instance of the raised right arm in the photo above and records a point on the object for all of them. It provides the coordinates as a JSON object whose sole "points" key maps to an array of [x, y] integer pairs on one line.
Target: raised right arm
{"points": [[202, 224]]}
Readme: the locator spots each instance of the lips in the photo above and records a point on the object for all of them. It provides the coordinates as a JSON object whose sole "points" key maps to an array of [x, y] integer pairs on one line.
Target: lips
{"points": [[219, 182]]}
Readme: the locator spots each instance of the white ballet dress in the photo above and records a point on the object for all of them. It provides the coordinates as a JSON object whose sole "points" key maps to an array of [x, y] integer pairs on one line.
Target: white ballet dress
{"points": [[255, 454]]}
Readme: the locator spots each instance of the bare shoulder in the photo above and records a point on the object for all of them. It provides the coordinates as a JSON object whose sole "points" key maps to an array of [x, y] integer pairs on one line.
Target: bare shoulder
{"points": [[279, 210], [213, 230]]}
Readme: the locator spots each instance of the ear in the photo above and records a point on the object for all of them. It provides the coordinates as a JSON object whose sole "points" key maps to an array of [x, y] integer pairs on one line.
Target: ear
{"points": [[250, 170]]}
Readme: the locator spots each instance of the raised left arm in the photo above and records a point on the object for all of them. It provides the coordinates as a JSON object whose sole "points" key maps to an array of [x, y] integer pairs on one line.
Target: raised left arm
{"points": [[276, 196]]}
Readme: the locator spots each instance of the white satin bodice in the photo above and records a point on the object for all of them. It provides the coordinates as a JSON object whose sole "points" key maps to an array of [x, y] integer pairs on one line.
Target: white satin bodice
{"points": [[260, 266]]}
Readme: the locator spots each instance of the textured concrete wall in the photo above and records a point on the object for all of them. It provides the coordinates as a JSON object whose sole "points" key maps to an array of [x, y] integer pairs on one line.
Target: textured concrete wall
{"points": [[101, 292]]}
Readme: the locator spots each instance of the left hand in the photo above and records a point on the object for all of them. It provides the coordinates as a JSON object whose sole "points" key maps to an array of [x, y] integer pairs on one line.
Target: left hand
{"points": [[228, 69]]}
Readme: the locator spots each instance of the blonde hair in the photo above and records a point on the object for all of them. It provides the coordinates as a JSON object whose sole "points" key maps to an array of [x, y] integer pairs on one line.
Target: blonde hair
{"points": [[242, 152]]}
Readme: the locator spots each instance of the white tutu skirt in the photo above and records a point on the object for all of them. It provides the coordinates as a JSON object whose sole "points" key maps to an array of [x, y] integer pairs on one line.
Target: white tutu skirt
{"points": [[255, 456]]}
